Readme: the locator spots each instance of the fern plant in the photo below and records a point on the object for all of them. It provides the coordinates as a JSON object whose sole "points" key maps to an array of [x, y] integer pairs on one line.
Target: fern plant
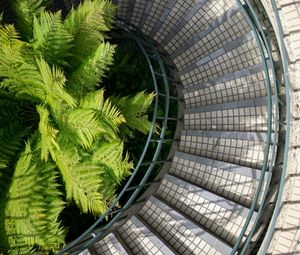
{"points": [[61, 138]]}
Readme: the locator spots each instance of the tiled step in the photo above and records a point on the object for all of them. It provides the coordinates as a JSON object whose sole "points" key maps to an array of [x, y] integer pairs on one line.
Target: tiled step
{"points": [[175, 12], [224, 30], [85, 252], [227, 50], [195, 21], [239, 54], [237, 183], [109, 245], [241, 148], [184, 236], [220, 216], [141, 240], [241, 85], [153, 12], [140, 11], [248, 115], [123, 6]]}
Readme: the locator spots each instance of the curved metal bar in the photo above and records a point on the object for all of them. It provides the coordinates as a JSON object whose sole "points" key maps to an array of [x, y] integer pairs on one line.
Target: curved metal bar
{"points": [[269, 134], [88, 233], [264, 195], [284, 59], [155, 157]]}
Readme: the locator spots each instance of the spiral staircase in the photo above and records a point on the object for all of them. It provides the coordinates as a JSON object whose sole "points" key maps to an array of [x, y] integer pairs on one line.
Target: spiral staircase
{"points": [[221, 192]]}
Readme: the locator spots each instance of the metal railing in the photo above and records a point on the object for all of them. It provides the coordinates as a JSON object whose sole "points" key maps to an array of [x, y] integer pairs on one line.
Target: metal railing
{"points": [[243, 242], [284, 63], [268, 163], [162, 96]]}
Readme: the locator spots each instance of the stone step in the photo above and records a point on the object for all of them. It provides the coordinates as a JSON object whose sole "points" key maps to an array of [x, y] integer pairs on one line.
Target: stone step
{"points": [[241, 85], [237, 55], [219, 215], [180, 233], [241, 148], [203, 44], [141, 240], [109, 245], [173, 14], [236, 183], [248, 116], [205, 58], [194, 22]]}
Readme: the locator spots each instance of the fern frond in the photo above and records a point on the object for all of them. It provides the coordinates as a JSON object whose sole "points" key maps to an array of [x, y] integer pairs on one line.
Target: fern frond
{"points": [[11, 140], [109, 156], [95, 117], [82, 126], [89, 73], [9, 36], [48, 133], [10, 45], [53, 82], [82, 179], [134, 109], [109, 115], [50, 39], [40, 82], [87, 23], [17, 76], [25, 11], [24, 81], [32, 206]]}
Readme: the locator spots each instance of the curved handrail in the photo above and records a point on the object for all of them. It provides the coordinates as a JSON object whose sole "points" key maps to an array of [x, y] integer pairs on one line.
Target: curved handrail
{"points": [[155, 157], [88, 237], [260, 210], [284, 59], [267, 164]]}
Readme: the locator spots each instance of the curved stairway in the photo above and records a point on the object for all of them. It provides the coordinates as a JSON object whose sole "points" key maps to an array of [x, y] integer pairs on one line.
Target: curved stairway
{"points": [[202, 202]]}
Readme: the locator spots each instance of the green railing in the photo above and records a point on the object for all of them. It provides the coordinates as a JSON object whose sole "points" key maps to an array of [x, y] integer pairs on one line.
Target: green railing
{"points": [[241, 245], [284, 63], [132, 189]]}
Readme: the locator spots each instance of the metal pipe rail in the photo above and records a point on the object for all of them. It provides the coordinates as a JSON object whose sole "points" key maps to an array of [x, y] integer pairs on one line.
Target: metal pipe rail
{"points": [[268, 163], [161, 87], [284, 63], [261, 38]]}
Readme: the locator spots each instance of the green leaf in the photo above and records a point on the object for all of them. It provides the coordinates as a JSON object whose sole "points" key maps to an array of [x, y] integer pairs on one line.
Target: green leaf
{"points": [[53, 83], [85, 78], [109, 155], [30, 211], [134, 109], [50, 39], [48, 133], [81, 126], [25, 11], [10, 46], [82, 179], [109, 115], [87, 23]]}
